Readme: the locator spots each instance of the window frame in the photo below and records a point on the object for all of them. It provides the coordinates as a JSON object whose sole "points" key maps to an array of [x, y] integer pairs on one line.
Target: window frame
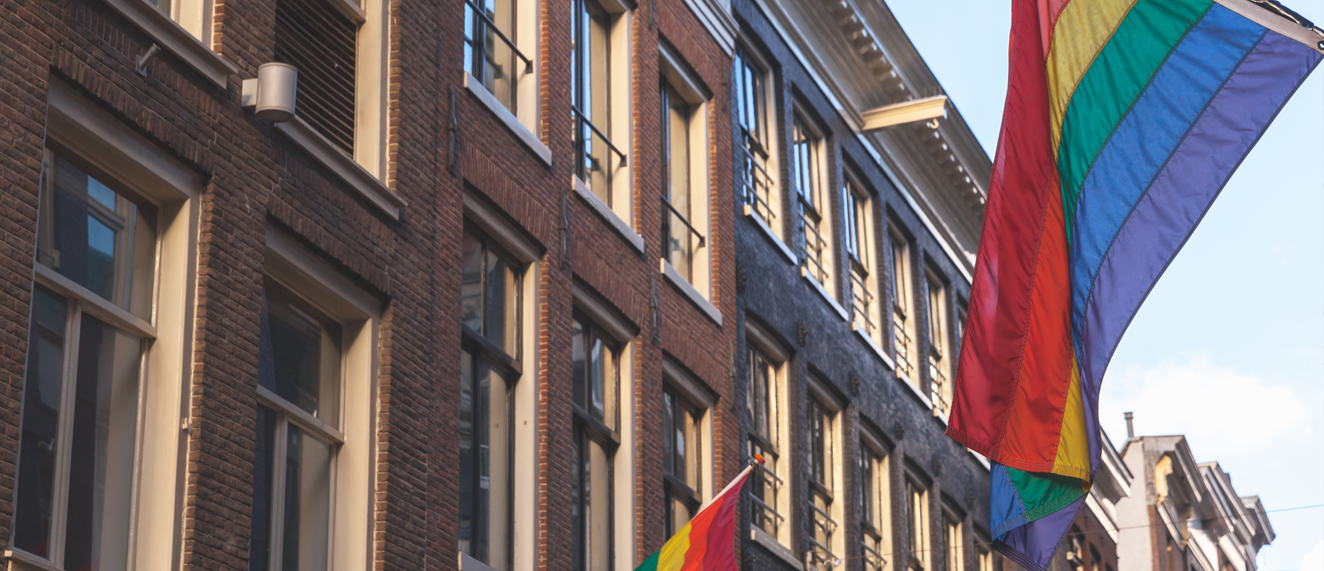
{"points": [[104, 145], [617, 135], [822, 266], [763, 144], [675, 75], [487, 219], [826, 478], [953, 551], [920, 544], [614, 329], [903, 315], [858, 209], [316, 282], [939, 357], [875, 511], [760, 344], [509, 368]]}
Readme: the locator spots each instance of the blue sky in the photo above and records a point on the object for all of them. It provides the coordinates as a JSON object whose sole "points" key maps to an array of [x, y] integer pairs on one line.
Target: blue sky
{"points": [[1229, 347]]}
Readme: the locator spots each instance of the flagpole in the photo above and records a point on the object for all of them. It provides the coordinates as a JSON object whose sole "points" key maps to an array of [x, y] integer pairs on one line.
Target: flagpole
{"points": [[739, 478]]}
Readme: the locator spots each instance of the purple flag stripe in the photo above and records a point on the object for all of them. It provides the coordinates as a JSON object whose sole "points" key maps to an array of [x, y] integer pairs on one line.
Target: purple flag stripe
{"points": [[1180, 195]]}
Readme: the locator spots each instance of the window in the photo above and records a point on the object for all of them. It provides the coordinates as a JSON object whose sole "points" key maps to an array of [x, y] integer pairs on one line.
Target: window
{"points": [[599, 101], [490, 306], [313, 444], [962, 314], [682, 459], [764, 402], [491, 53], [750, 98], [595, 370], [299, 378], [903, 306], [875, 503], [954, 541], [684, 176], [815, 207], [88, 334], [984, 554], [918, 510], [338, 48], [824, 485], [940, 354], [860, 255]]}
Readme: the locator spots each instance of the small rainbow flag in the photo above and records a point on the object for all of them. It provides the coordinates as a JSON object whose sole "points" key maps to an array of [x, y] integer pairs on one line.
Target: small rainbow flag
{"points": [[707, 542], [1123, 121]]}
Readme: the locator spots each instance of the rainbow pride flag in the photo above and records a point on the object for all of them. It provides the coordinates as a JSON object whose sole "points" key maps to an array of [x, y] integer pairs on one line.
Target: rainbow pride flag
{"points": [[707, 542], [1123, 121]]}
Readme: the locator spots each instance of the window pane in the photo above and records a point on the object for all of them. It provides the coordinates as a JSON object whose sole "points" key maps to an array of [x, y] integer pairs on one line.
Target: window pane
{"points": [[691, 453], [487, 56], [98, 238], [101, 448], [669, 433], [501, 295], [471, 282], [41, 411], [579, 364], [485, 467], [599, 506], [259, 542], [307, 502], [678, 514], [299, 357]]}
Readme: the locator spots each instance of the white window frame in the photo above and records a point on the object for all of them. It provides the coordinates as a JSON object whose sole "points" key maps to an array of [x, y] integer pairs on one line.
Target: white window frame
{"points": [[697, 97], [84, 130], [526, 395], [867, 257], [919, 525], [818, 149], [315, 281], [874, 450], [699, 396], [365, 170], [778, 358], [620, 53], [953, 551], [623, 461], [903, 304], [523, 121], [939, 357], [824, 556], [776, 229]]}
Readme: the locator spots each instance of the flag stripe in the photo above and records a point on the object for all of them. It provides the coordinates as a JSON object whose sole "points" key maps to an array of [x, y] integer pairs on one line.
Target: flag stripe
{"points": [[1147, 137], [1118, 76], [1164, 218], [1084, 28]]}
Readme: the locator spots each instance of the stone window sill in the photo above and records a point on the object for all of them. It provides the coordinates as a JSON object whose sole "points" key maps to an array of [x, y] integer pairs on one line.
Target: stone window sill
{"points": [[775, 547], [174, 38], [690, 292], [507, 118], [767, 231], [20, 560], [633, 238], [841, 311], [887, 361], [335, 159], [470, 564], [983, 461]]}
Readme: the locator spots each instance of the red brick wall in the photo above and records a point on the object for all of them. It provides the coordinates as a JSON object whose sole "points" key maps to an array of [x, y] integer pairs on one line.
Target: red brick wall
{"points": [[254, 178]]}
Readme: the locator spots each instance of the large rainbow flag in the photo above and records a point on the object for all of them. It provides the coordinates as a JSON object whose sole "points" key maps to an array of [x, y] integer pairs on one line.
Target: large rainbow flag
{"points": [[1123, 121], [707, 542]]}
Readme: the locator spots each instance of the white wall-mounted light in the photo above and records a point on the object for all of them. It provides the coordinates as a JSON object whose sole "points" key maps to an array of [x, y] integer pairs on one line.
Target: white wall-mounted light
{"points": [[927, 109], [271, 95]]}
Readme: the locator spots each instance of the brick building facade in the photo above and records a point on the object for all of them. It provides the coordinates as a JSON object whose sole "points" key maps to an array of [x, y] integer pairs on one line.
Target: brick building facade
{"points": [[490, 300]]}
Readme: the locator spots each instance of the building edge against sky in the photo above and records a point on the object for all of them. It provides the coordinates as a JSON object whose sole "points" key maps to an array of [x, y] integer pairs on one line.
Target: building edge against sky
{"points": [[440, 317]]}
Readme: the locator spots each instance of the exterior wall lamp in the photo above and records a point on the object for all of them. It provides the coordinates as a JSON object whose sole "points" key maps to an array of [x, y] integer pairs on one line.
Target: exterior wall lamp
{"points": [[271, 95]]}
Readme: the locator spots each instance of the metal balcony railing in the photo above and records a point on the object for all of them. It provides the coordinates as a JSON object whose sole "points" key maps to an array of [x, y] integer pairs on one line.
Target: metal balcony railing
{"points": [[815, 246], [757, 185], [861, 302], [904, 343], [483, 26]]}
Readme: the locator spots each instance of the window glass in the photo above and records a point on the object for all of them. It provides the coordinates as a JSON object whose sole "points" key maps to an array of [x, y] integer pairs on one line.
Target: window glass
{"points": [[97, 237], [489, 292], [859, 249], [954, 542], [903, 315], [750, 99], [681, 461], [598, 158], [300, 357], [307, 501], [489, 51], [79, 417], [815, 209], [875, 513], [824, 492], [940, 356], [766, 483], [679, 235], [595, 366], [919, 525]]}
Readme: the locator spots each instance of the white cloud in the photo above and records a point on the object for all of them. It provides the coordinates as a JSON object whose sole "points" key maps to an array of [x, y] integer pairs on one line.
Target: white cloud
{"points": [[1314, 561], [1206, 402]]}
